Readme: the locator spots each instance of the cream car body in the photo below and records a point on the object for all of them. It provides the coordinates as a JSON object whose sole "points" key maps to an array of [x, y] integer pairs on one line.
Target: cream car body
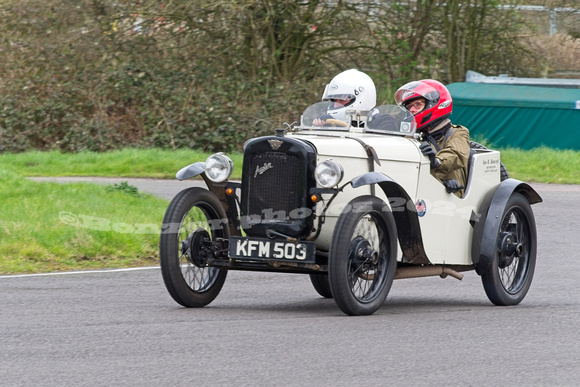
{"points": [[353, 205]]}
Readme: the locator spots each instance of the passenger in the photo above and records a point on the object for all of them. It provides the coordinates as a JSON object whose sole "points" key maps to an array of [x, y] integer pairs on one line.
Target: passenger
{"points": [[351, 89], [446, 145]]}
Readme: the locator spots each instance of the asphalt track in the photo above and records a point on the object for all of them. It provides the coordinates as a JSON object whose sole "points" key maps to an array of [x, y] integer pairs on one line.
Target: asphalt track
{"points": [[121, 328]]}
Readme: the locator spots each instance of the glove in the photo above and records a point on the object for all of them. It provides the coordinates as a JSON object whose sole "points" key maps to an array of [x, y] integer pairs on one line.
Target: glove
{"points": [[321, 121], [428, 151], [452, 185]]}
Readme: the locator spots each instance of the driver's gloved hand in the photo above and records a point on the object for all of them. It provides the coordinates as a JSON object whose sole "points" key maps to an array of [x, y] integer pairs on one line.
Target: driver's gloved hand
{"points": [[321, 121], [452, 185], [428, 151]]}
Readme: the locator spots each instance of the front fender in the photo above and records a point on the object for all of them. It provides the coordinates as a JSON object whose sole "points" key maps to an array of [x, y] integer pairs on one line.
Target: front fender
{"points": [[488, 221], [191, 170], [219, 190], [406, 218]]}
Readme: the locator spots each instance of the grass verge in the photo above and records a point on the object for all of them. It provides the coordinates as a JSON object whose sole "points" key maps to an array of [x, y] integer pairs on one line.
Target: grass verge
{"points": [[150, 163], [53, 227], [543, 165]]}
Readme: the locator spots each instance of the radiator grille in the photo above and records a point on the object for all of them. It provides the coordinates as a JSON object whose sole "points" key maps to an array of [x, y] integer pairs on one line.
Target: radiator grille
{"points": [[275, 186]]}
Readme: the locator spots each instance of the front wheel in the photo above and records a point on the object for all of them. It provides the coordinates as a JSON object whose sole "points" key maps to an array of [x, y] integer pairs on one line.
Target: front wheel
{"points": [[194, 218], [363, 256], [508, 278], [321, 284]]}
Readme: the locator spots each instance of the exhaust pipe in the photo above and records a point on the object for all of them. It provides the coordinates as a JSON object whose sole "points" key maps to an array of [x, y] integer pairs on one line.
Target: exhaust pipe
{"points": [[426, 271]]}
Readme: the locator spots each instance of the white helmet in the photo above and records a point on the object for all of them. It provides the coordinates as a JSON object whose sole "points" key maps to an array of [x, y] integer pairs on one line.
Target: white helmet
{"points": [[354, 86]]}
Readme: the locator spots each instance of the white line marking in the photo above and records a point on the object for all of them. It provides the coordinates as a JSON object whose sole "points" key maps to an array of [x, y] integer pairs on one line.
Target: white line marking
{"points": [[78, 272]]}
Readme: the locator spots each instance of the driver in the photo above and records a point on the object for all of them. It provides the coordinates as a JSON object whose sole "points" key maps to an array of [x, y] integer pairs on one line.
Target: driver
{"points": [[447, 145], [350, 89]]}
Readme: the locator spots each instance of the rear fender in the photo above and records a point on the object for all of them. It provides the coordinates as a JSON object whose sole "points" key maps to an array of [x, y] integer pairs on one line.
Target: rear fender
{"points": [[488, 222], [406, 219]]}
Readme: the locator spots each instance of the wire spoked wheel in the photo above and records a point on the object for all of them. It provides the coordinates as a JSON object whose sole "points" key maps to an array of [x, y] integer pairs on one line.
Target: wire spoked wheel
{"points": [[362, 259], [192, 221], [507, 280]]}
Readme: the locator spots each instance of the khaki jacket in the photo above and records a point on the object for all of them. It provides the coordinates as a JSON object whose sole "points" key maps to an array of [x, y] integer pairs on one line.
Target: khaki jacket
{"points": [[454, 155]]}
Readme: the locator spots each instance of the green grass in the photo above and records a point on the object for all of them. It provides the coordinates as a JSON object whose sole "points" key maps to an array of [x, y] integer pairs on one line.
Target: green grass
{"points": [[153, 163], [51, 227], [543, 165], [48, 226]]}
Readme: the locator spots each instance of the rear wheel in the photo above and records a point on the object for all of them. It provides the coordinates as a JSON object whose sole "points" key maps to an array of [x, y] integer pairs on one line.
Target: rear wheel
{"points": [[194, 218], [363, 256], [508, 278]]}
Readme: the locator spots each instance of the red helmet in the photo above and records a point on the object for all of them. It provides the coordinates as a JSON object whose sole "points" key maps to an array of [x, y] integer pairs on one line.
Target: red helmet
{"points": [[438, 104]]}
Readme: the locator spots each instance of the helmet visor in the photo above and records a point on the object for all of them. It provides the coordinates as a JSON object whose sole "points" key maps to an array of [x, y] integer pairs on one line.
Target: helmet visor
{"points": [[332, 94], [406, 93], [414, 90]]}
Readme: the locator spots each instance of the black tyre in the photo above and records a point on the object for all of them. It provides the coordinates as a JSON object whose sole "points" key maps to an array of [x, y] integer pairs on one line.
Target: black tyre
{"points": [[363, 256], [508, 278], [194, 214], [321, 284], [504, 175]]}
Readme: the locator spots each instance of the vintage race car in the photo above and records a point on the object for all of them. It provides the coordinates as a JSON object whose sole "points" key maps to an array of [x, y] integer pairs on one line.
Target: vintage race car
{"points": [[354, 206]]}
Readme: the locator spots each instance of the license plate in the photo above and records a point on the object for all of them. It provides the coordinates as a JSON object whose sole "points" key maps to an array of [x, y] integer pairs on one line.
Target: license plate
{"points": [[268, 249]]}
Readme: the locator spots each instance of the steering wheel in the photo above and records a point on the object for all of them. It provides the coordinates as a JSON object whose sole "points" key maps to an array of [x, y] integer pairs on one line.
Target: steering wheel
{"points": [[335, 122]]}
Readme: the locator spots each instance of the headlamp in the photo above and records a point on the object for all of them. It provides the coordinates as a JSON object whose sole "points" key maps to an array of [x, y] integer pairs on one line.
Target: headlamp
{"points": [[328, 173], [218, 167]]}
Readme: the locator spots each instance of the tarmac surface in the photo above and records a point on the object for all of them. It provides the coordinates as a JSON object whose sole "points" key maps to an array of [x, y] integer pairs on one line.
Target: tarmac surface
{"points": [[164, 188], [121, 327]]}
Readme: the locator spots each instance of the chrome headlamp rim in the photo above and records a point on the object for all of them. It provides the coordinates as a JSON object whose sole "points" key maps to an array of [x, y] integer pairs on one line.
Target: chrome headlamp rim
{"points": [[218, 167], [328, 173]]}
